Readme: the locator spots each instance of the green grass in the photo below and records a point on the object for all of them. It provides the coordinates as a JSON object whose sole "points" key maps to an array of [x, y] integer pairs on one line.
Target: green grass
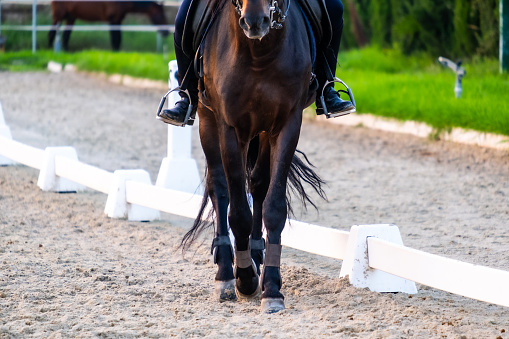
{"points": [[142, 65], [384, 83], [389, 84]]}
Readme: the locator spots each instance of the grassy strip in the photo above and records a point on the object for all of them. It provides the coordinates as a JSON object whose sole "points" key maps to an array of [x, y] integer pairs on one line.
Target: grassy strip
{"points": [[142, 65], [385, 83], [417, 88]]}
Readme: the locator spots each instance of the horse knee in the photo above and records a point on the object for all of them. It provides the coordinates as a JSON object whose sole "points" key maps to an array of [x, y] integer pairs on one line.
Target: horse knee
{"points": [[241, 223]]}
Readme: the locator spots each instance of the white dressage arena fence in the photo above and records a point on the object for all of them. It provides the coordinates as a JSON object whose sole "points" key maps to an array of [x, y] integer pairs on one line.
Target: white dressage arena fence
{"points": [[373, 255]]}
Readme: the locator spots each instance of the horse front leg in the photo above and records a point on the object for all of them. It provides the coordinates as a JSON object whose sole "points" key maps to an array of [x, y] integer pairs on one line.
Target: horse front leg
{"points": [[259, 154], [275, 212], [224, 285], [234, 153]]}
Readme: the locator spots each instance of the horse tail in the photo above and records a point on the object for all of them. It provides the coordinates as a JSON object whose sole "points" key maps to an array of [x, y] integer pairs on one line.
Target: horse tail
{"points": [[301, 171], [200, 223]]}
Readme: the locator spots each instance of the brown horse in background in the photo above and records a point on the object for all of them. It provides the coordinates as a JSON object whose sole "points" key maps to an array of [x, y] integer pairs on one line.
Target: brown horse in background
{"points": [[112, 12]]}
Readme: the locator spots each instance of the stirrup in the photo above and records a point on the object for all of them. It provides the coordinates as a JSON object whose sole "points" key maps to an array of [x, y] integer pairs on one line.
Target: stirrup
{"points": [[347, 92], [188, 120]]}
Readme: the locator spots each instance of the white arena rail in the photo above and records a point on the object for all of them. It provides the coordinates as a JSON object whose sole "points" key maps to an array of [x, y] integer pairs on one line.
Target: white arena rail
{"points": [[473, 281], [164, 199], [24, 154], [373, 255], [84, 174]]}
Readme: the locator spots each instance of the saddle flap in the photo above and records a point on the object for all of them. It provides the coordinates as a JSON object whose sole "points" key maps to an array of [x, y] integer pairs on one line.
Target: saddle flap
{"points": [[197, 19], [316, 12]]}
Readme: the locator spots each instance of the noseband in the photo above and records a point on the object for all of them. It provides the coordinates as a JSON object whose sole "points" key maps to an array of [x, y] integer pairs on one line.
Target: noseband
{"points": [[274, 10]]}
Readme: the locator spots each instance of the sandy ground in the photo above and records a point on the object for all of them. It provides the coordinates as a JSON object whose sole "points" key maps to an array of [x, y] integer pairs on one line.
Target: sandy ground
{"points": [[66, 270]]}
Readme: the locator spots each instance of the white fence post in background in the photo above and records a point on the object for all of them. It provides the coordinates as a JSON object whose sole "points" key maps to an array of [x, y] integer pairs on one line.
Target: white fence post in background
{"points": [[356, 266], [117, 205], [179, 170], [48, 180], [6, 133]]}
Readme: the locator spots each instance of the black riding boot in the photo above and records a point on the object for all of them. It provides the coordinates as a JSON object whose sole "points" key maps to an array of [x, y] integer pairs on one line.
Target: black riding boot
{"points": [[184, 111], [334, 105], [325, 70]]}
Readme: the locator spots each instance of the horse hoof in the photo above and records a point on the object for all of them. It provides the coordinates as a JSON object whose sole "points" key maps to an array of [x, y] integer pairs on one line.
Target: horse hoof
{"points": [[272, 305], [225, 290]]}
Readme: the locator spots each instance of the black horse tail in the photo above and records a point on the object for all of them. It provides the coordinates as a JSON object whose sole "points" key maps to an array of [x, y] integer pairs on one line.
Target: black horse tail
{"points": [[201, 222], [301, 172]]}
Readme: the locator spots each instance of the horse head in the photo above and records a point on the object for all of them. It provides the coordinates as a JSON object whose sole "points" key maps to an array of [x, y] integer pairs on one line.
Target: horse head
{"points": [[157, 17], [254, 17]]}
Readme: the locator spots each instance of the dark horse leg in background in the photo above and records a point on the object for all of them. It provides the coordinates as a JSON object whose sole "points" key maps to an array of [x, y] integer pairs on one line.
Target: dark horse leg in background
{"points": [[52, 33], [66, 35], [115, 35]]}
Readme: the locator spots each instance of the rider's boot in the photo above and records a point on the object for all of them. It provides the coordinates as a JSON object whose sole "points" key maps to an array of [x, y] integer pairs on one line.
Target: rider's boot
{"points": [[184, 111], [335, 106], [326, 69]]}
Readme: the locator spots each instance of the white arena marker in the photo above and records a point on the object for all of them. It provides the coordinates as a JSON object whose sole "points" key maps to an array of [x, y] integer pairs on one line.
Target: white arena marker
{"points": [[48, 180], [117, 205], [356, 265]]}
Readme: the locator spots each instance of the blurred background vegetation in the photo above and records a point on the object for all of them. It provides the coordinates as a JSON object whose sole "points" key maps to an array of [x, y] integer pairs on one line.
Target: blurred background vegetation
{"points": [[452, 28], [388, 57]]}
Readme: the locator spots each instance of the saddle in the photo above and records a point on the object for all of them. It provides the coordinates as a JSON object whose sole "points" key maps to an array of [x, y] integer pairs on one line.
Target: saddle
{"points": [[201, 13]]}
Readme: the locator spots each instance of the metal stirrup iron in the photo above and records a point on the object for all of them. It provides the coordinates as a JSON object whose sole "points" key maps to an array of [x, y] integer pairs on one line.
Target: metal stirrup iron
{"points": [[189, 109], [347, 92]]}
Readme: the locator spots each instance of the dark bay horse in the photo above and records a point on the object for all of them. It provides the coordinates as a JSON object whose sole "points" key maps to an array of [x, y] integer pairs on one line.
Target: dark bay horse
{"points": [[112, 12], [255, 86]]}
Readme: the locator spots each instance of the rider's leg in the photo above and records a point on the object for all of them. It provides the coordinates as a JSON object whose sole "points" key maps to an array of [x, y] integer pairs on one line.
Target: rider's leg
{"points": [[328, 61], [177, 114]]}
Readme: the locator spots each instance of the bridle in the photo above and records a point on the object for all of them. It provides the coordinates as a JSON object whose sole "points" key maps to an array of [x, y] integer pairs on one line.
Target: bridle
{"points": [[277, 17]]}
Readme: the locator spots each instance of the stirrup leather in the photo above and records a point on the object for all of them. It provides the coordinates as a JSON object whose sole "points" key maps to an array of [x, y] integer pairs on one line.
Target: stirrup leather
{"points": [[347, 92], [188, 117]]}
